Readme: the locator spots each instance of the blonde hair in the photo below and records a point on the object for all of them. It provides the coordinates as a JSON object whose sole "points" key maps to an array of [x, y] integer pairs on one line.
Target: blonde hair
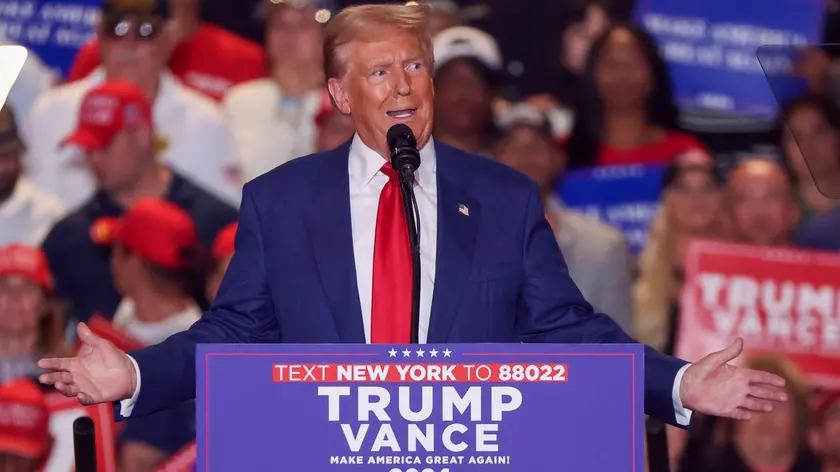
{"points": [[368, 23], [655, 290]]}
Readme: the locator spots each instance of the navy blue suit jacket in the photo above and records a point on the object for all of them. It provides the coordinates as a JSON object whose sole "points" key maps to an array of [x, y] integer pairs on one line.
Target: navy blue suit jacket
{"points": [[500, 276]]}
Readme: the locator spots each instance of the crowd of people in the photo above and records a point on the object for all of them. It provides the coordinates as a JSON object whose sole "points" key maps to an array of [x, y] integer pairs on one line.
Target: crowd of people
{"points": [[119, 190]]}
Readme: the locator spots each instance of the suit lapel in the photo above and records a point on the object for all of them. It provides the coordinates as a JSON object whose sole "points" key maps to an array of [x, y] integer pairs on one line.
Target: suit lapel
{"points": [[457, 223], [330, 232]]}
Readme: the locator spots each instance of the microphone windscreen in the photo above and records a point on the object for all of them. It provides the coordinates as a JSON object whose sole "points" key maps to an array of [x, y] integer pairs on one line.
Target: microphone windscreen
{"points": [[400, 132]]}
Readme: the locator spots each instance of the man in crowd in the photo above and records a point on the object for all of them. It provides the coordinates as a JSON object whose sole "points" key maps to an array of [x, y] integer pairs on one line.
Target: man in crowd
{"points": [[597, 254], [26, 212], [760, 203], [25, 442], [206, 58], [117, 133], [322, 256], [825, 435], [193, 138], [273, 119], [469, 64]]}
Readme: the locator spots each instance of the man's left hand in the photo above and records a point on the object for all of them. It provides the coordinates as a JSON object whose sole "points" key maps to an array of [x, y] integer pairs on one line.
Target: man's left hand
{"points": [[714, 387]]}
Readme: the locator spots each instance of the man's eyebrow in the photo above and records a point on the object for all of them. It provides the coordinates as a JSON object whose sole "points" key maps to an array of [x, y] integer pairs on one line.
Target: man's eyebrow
{"points": [[382, 64]]}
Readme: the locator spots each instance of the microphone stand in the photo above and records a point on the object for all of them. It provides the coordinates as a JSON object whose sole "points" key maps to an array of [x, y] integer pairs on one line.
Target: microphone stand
{"points": [[412, 216]]}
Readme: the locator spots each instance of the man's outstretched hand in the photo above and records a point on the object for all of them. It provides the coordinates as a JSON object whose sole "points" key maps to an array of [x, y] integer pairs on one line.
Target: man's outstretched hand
{"points": [[99, 373], [714, 387]]}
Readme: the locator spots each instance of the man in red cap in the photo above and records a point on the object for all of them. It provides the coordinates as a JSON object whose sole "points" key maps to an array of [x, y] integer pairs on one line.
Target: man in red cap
{"points": [[25, 441], [135, 39], [825, 435], [157, 265], [115, 130], [206, 58]]}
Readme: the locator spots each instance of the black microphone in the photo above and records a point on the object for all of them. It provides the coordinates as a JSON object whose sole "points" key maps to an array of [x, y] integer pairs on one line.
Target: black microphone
{"points": [[84, 444], [405, 158]]}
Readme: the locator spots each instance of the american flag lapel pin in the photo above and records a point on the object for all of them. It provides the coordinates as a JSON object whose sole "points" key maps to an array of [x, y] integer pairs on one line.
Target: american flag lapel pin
{"points": [[463, 209]]}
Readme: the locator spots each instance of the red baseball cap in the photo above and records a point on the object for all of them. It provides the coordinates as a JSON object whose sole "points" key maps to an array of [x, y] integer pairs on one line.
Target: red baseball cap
{"points": [[106, 110], [24, 420], [154, 229], [27, 262], [223, 245]]}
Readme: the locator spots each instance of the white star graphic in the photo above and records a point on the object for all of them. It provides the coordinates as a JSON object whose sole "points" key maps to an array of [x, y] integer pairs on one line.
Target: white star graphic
{"points": [[406, 353], [433, 352], [447, 352], [420, 352], [392, 353]]}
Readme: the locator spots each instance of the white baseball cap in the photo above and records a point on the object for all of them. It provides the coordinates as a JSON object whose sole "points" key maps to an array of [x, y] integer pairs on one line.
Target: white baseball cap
{"points": [[466, 41]]}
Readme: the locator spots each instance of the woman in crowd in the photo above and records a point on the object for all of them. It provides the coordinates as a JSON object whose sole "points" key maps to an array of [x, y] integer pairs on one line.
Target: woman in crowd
{"points": [[626, 113], [810, 142], [776, 441], [690, 208], [157, 262], [31, 324]]}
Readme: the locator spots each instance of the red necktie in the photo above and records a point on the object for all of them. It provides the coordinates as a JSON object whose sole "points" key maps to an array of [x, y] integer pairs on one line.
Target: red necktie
{"points": [[390, 321]]}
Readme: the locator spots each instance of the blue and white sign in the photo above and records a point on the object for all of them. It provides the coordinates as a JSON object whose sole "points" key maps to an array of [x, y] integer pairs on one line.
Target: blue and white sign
{"points": [[626, 197], [711, 48], [53, 29]]}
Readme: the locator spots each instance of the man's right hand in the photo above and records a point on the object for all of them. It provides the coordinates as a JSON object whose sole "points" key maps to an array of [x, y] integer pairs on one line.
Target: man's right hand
{"points": [[99, 373]]}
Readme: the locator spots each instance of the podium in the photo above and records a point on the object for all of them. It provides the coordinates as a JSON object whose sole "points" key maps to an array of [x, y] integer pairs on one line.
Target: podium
{"points": [[420, 408]]}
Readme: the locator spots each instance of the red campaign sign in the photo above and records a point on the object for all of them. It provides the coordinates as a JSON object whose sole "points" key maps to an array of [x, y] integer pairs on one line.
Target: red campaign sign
{"points": [[63, 412], [181, 461], [776, 299]]}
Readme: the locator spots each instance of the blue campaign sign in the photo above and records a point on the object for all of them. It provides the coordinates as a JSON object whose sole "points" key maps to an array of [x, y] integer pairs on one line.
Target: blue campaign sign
{"points": [[420, 408], [711, 48], [53, 29], [626, 197]]}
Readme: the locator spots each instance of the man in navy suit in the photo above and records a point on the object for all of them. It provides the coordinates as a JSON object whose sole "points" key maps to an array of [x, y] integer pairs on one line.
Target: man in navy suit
{"points": [[322, 253]]}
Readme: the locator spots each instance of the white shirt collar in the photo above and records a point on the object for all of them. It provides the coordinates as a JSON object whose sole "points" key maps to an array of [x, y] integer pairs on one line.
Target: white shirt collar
{"points": [[365, 164], [152, 333]]}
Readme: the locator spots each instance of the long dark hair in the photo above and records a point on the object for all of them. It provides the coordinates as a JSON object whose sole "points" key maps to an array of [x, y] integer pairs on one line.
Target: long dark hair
{"points": [[589, 117]]}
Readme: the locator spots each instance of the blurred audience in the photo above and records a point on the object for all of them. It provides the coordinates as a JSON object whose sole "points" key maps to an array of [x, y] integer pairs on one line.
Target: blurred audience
{"points": [[193, 137], [468, 65], [587, 21], [443, 14], [117, 135], [26, 213], [31, 323], [222, 252], [25, 441], [626, 113], [206, 58], [272, 119], [690, 208], [158, 265], [333, 127], [597, 254], [810, 127], [772, 441], [760, 205], [825, 435]]}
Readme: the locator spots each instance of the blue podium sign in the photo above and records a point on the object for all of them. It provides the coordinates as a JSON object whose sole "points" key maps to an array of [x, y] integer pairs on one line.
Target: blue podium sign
{"points": [[420, 408]]}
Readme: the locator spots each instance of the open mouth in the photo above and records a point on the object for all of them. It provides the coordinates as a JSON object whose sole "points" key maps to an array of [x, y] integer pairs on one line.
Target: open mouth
{"points": [[403, 114]]}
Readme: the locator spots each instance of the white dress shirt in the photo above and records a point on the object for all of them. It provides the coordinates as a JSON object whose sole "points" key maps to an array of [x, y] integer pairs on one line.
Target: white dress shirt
{"points": [[196, 142], [28, 215], [366, 183]]}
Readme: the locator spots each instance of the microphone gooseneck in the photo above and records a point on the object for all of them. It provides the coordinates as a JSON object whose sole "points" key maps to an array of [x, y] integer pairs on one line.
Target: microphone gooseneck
{"points": [[405, 159]]}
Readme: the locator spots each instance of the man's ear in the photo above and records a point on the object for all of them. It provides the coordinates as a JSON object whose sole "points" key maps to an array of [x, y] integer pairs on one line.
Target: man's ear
{"points": [[339, 95]]}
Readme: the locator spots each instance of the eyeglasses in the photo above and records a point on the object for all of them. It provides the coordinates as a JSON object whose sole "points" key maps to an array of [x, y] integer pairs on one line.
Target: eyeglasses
{"points": [[143, 29]]}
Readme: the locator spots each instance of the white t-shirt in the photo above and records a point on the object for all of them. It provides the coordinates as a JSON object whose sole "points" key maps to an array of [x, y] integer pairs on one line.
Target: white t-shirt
{"points": [[198, 144], [28, 215], [269, 130], [153, 333]]}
